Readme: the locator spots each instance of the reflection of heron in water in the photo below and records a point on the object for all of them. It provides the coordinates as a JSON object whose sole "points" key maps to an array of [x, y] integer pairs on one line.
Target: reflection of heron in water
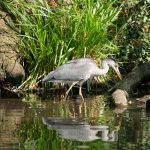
{"points": [[78, 130], [78, 71]]}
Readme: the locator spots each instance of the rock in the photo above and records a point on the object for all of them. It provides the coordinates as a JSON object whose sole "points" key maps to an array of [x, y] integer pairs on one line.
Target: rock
{"points": [[131, 82], [10, 68], [120, 97], [134, 78], [14, 72], [143, 99]]}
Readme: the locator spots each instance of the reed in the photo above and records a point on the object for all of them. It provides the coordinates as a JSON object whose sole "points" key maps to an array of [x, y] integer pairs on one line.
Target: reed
{"points": [[49, 38]]}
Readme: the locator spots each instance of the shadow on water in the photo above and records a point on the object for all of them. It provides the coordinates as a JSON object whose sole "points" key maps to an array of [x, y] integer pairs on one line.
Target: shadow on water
{"points": [[34, 123]]}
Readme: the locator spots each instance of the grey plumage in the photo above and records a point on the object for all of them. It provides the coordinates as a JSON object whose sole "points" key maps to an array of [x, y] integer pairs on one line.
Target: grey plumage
{"points": [[79, 70]]}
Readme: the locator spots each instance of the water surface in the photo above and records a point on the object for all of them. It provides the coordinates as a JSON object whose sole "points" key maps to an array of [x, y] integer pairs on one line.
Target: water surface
{"points": [[46, 124]]}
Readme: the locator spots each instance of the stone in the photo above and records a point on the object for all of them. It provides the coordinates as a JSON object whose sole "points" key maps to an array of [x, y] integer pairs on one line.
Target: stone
{"points": [[120, 97], [125, 87], [10, 68]]}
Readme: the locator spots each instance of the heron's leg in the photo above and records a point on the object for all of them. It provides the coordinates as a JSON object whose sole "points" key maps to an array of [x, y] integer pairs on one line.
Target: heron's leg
{"points": [[70, 89], [80, 92]]}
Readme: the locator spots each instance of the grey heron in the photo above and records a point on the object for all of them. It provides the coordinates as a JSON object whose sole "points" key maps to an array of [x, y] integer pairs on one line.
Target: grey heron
{"points": [[79, 70]]}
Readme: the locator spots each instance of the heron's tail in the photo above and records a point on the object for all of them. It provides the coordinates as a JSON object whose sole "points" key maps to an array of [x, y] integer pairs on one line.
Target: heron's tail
{"points": [[48, 78], [45, 79]]}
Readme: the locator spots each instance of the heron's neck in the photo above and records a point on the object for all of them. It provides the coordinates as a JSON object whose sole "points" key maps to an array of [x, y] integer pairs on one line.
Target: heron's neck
{"points": [[104, 69]]}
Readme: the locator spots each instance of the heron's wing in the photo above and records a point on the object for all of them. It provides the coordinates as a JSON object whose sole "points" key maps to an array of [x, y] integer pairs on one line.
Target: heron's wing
{"points": [[75, 70], [81, 61]]}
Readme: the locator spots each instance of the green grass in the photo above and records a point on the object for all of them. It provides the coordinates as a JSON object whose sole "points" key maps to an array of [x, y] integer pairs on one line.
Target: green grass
{"points": [[49, 38]]}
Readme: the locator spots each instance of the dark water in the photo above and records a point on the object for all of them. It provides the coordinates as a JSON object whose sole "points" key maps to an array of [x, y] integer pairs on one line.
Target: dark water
{"points": [[35, 124]]}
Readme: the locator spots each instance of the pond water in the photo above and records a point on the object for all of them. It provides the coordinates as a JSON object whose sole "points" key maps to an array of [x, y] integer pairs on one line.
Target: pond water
{"points": [[33, 123]]}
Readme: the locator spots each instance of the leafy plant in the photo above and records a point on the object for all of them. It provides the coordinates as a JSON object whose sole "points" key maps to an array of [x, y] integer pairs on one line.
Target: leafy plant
{"points": [[50, 37], [133, 34]]}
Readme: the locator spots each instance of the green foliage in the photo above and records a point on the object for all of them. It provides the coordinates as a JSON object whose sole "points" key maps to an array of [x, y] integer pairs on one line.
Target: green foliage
{"points": [[133, 31], [50, 37]]}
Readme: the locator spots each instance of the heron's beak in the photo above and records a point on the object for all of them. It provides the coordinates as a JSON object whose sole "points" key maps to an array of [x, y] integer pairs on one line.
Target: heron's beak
{"points": [[118, 73]]}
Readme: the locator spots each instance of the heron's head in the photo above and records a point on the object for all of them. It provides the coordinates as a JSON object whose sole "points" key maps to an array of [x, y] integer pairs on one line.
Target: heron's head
{"points": [[111, 62]]}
